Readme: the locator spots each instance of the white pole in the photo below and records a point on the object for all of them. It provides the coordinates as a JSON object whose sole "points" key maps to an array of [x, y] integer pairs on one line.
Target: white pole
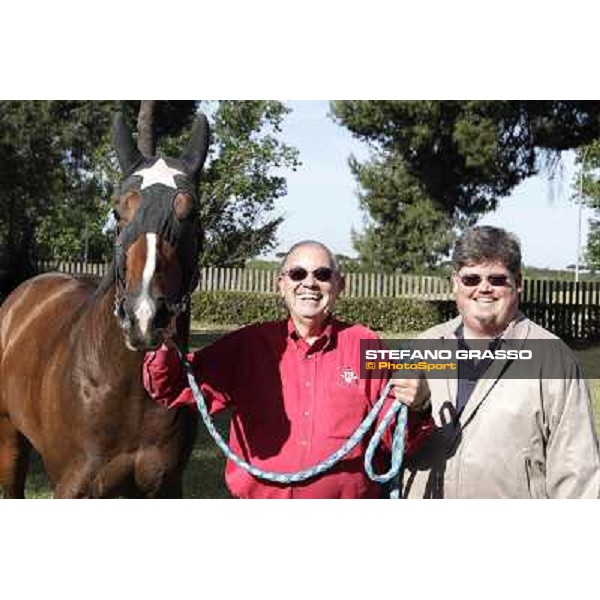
{"points": [[579, 214]]}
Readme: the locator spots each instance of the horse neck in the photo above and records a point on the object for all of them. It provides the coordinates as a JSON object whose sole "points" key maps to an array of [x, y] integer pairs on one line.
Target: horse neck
{"points": [[99, 335]]}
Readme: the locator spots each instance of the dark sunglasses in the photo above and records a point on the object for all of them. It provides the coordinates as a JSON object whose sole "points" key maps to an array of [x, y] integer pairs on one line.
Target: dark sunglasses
{"points": [[474, 279], [300, 274]]}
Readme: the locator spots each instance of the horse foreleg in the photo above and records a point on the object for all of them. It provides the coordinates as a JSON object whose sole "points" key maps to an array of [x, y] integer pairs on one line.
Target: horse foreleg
{"points": [[14, 459], [75, 482], [115, 478], [110, 479]]}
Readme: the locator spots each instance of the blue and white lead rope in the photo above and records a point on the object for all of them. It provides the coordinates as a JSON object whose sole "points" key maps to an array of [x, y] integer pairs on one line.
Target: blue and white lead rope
{"points": [[392, 475]]}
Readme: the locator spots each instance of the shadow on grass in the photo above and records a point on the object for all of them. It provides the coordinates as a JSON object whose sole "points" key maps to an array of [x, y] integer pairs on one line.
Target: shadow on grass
{"points": [[204, 476], [38, 484], [199, 339]]}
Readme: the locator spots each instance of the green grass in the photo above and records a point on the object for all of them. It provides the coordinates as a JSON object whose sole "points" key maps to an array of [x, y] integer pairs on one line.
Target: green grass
{"points": [[204, 475]]}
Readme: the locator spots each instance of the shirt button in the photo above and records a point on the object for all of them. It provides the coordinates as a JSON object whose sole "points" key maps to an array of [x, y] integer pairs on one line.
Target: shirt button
{"points": [[307, 384], [303, 442], [306, 413]]}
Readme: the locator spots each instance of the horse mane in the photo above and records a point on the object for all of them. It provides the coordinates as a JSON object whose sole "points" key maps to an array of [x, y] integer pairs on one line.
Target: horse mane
{"points": [[107, 282]]}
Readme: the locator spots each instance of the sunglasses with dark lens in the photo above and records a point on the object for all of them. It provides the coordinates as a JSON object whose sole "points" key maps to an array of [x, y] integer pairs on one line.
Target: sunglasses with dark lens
{"points": [[474, 279], [300, 274]]}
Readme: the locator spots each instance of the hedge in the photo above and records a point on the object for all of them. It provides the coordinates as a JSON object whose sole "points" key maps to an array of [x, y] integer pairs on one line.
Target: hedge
{"points": [[380, 314]]}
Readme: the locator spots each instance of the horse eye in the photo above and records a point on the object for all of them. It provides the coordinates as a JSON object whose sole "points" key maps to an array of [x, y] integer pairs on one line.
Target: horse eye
{"points": [[183, 204]]}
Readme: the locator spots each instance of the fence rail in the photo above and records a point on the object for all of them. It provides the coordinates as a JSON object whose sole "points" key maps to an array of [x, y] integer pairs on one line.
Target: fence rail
{"points": [[73, 267], [569, 309], [357, 284]]}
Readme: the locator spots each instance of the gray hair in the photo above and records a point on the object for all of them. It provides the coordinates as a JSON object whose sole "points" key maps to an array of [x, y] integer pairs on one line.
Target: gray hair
{"points": [[486, 243], [332, 259]]}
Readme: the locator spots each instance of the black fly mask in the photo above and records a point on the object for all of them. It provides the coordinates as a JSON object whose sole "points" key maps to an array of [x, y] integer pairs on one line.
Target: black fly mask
{"points": [[158, 181]]}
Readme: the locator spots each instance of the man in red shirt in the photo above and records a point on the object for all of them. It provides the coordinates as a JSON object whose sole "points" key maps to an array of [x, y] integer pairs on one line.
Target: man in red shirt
{"points": [[293, 387]]}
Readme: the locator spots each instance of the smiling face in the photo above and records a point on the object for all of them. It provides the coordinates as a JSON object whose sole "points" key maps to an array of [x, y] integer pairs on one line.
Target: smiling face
{"points": [[486, 309], [310, 300]]}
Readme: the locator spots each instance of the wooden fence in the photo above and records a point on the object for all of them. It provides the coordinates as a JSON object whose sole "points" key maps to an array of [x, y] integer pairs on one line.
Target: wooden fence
{"points": [[569, 309], [357, 284], [263, 281], [73, 267]]}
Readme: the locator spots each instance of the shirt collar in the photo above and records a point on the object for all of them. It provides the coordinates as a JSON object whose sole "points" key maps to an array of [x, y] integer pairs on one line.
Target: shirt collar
{"points": [[506, 333], [494, 342], [325, 340]]}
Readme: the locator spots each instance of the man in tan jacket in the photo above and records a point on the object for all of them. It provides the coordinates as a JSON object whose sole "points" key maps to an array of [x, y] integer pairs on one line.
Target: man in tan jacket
{"points": [[498, 436]]}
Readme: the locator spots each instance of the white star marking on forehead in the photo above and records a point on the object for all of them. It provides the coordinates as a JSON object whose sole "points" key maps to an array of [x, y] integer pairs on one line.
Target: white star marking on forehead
{"points": [[159, 172]]}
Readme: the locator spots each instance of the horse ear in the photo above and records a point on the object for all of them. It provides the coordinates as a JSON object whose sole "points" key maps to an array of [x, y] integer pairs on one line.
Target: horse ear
{"points": [[127, 152], [194, 155]]}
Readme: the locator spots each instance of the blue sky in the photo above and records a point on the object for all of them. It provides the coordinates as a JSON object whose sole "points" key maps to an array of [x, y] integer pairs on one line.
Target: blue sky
{"points": [[322, 203]]}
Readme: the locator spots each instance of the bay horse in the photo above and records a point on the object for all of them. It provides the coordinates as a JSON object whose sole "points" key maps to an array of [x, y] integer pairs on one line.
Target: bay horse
{"points": [[71, 352]]}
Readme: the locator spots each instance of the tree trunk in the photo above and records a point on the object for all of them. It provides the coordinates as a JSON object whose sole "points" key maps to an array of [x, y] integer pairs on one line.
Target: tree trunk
{"points": [[145, 126], [16, 257]]}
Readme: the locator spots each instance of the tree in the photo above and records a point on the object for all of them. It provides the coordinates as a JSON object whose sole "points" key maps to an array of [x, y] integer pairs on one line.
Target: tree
{"points": [[436, 167], [587, 190], [45, 151], [58, 168], [347, 264], [411, 243], [239, 186]]}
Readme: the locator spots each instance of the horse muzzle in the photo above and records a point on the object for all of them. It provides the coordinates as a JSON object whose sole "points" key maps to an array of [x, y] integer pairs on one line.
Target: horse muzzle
{"points": [[146, 322]]}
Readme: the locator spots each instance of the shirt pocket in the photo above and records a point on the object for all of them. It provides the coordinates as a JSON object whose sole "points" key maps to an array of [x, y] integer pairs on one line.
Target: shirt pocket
{"points": [[343, 412]]}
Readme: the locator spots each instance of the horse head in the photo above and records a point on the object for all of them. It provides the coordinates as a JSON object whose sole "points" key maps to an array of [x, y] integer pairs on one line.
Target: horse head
{"points": [[156, 253]]}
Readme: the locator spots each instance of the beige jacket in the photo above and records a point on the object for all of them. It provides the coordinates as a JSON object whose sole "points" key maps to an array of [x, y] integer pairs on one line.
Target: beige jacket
{"points": [[515, 438]]}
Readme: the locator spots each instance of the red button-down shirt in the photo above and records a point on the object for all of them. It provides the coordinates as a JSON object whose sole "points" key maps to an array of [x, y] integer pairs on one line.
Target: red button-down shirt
{"points": [[292, 404]]}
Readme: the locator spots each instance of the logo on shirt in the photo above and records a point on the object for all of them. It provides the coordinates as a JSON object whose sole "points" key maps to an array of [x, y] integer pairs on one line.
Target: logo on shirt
{"points": [[348, 376]]}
